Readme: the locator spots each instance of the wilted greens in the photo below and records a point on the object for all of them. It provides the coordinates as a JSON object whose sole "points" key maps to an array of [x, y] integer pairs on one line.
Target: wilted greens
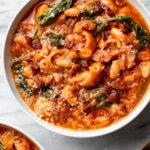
{"points": [[141, 34], [45, 92], [55, 40], [2, 147], [54, 11], [21, 80], [100, 96], [104, 104], [20, 59], [36, 32]]}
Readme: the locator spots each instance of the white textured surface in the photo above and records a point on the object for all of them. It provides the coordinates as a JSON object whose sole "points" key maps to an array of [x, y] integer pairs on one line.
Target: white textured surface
{"points": [[131, 137]]}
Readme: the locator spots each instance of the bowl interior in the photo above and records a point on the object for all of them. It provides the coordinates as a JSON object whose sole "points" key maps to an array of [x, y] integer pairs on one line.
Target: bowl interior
{"points": [[66, 132]]}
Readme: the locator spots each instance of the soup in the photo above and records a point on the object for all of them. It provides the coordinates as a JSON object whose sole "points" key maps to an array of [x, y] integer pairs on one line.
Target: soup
{"points": [[11, 139], [81, 65]]}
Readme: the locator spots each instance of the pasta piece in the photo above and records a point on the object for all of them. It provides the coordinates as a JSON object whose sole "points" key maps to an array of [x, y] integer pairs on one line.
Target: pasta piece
{"points": [[129, 78], [125, 11], [60, 19], [66, 60], [20, 39], [115, 109], [117, 34], [123, 62], [85, 25], [145, 69], [27, 71], [42, 108], [101, 56], [131, 37], [82, 6], [72, 12], [40, 54], [88, 120], [87, 51], [8, 139], [144, 55], [89, 78], [120, 3], [58, 78], [21, 144], [69, 95], [105, 56], [63, 62], [76, 10], [41, 10], [47, 62], [115, 69], [102, 121], [80, 77], [130, 60], [110, 4], [90, 41], [47, 80], [30, 83], [111, 41]]}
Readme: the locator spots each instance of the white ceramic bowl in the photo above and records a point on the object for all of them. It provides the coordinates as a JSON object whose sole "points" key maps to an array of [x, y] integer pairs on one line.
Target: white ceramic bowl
{"points": [[23, 132], [87, 134]]}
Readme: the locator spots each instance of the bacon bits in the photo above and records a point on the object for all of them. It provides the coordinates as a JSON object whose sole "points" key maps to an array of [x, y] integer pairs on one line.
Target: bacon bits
{"points": [[35, 68], [75, 69], [35, 44], [108, 89], [113, 98], [88, 109]]}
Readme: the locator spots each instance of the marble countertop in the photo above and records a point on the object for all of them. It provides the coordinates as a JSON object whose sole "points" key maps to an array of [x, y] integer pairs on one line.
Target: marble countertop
{"points": [[131, 137]]}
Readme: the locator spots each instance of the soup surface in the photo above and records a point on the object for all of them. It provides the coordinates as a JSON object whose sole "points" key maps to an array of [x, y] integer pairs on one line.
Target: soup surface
{"points": [[81, 64], [11, 139]]}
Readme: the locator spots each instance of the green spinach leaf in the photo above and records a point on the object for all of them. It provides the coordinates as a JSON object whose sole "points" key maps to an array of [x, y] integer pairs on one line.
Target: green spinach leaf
{"points": [[17, 60], [100, 96], [22, 58], [2, 147], [22, 83], [45, 93], [141, 34], [104, 104], [36, 32], [54, 11], [55, 40], [80, 63]]}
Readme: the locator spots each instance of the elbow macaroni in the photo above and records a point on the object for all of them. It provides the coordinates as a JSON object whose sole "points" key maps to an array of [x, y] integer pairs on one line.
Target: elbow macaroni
{"points": [[115, 69], [89, 47], [47, 62], [110, 4], [86, 24], [76, 10], [41, 10], [117, 34], [89, 78], [66, 61], [69, 95]]}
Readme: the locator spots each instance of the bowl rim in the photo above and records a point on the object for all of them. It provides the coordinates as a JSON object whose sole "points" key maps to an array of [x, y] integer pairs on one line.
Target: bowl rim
{"points": [[63, 131], [18, 129]]}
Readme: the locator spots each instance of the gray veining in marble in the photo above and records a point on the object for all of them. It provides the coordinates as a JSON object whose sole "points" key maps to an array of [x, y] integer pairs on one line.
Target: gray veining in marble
{"points": [[131, 137]]}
